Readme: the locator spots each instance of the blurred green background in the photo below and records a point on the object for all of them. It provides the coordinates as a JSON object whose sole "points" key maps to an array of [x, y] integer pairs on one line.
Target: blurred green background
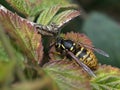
{"points": [[100, 21], [102, 26]]}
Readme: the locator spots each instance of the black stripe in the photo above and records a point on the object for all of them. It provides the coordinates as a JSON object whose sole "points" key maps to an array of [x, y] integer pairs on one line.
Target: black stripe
{"points": [[88, 55], [84, 52]]}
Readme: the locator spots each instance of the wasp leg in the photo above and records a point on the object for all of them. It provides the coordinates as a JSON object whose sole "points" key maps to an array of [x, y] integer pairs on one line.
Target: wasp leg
{"points": [[85, 67]]}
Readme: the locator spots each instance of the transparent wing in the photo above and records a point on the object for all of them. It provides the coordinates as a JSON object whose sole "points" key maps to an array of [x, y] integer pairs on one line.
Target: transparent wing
{"points": [[85, 67], [95, 49]]}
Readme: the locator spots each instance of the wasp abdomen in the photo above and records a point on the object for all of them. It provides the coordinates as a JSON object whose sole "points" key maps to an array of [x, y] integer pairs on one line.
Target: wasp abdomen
{"points": [[87, 57]]}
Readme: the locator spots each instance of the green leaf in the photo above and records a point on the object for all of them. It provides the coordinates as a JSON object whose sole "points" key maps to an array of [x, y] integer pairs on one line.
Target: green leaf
{"points": [[6, 70], [47, 3], [23, 34], [52, 15], [55, 16], [20, 5], [106, 82], [3, 54], [36, 8], [105, 34], [6, 67], [33, 7], [67, 76], [107, 78], [47, 15], [65, 16]]}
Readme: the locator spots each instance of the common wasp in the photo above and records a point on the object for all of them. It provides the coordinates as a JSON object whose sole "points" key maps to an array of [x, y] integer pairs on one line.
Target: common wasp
{"points": [[82, 53]]}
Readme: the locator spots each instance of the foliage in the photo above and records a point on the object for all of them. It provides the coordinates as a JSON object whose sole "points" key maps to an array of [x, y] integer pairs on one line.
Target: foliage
{"points": [[24, 64], [107, 78], [28, 39]]}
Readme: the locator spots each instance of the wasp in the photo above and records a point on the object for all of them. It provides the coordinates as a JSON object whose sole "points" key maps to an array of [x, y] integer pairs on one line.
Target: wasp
{"points": [[81, 53]]}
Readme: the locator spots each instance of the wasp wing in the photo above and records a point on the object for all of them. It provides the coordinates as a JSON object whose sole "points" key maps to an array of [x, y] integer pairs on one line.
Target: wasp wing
{"points": [[85, 67], [95, 49], [100, 51]]}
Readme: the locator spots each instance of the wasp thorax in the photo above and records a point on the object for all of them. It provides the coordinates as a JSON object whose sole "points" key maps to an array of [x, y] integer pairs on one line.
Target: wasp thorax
{"points": [[62, 44]]}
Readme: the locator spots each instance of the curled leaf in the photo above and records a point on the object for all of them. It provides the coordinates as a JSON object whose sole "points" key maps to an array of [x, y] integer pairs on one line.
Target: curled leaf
{"points": [[54, 18], [49, 16], [64, 17], [46, 16], [67, 75], [23, 33]]}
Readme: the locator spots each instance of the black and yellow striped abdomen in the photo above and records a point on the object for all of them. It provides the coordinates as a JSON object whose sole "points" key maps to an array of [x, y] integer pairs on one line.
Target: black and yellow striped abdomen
{"points": [[84, 54], [87, 57]]}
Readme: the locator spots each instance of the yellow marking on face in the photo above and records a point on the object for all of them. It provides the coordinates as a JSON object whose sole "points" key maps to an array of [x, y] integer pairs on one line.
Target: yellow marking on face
{"points": [[58, 45], [71, 48], [63, 47]]}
